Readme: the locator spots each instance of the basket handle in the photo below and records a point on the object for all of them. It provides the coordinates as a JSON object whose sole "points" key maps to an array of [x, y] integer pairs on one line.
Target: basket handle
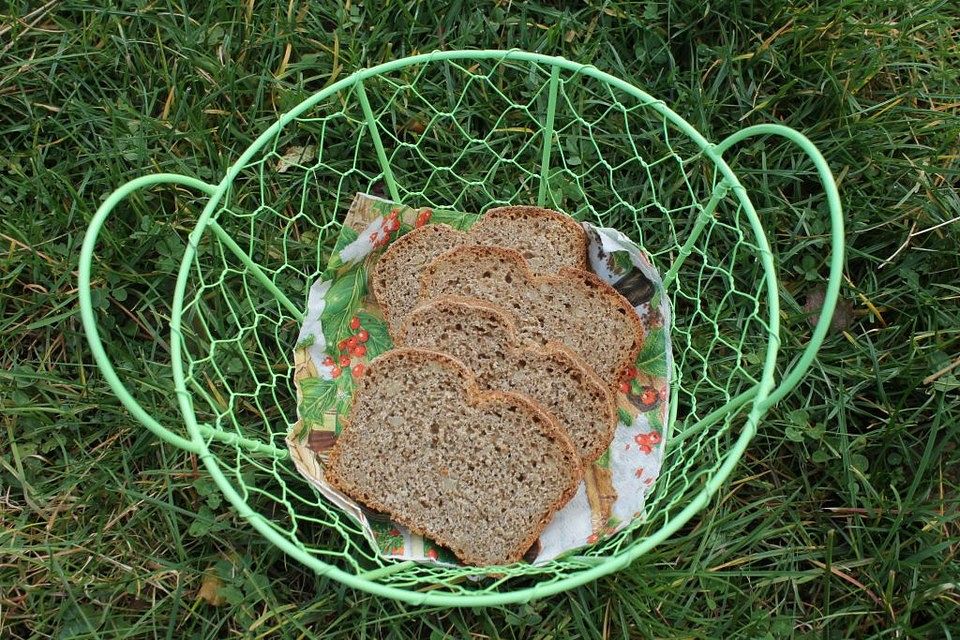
{"points": [[86, 304], [794, 376]]}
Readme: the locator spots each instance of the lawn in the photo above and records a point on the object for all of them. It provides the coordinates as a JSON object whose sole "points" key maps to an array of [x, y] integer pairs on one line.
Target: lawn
{"points": [[842, 519]]}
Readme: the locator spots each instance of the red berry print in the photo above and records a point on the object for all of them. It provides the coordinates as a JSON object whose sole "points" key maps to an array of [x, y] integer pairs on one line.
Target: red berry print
{"points": [[638, 472], [328, 361], [359, 350], [354, 323], [357, 370], [631, 372], [352, 342], [592, 538], [336, 372], [424, 217], [645, 440], [393, 225], [394, 213], [624, 387], [342, 345], [363, 335], [649, 396], [344, 361], [432, 554], [394, 532]]}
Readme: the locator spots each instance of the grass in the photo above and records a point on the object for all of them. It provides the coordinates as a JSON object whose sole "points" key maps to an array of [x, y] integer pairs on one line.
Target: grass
{"points": [[842, 519]]}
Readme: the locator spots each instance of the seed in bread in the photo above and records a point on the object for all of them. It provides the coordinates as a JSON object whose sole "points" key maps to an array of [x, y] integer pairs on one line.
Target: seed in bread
{"points": [[484, 338], [574, 307], [549, 239], [480, 472]]}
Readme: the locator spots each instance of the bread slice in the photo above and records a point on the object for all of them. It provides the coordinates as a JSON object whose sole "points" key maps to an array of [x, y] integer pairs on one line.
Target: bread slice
{"points": [[574, 307], [549, 239], [479, 472], [484, 338], [396, 278]]}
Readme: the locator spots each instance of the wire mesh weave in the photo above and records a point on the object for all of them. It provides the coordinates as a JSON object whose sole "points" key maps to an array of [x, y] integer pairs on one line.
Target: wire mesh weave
{"points": [[467, 131]]}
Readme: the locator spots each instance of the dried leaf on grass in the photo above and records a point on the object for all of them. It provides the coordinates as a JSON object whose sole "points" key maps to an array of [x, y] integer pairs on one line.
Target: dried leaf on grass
{"points": [[842, 314], [210, 589], [294, 156]]}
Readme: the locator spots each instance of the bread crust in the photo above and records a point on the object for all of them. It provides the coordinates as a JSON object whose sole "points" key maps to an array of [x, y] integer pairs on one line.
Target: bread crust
{"points": [[475, 398]]}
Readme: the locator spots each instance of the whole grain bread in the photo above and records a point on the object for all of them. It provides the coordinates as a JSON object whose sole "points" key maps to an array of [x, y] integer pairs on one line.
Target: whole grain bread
{"points": [[550, 241], [573, 307], [483, 337], [479, 472], [395, 281]]}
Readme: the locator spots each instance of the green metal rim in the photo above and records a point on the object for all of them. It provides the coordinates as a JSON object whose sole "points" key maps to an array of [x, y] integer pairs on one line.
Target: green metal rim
{"points": [[763, 396]]}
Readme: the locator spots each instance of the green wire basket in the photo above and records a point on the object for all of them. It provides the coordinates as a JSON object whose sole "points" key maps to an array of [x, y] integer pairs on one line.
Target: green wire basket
{"points": [[468, 130]]}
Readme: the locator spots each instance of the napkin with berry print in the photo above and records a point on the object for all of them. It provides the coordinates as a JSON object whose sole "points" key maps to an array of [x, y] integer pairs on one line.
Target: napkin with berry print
{"points": [[344, 330]]}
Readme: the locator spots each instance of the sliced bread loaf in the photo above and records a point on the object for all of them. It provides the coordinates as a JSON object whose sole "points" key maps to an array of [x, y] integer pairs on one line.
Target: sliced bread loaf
{"points": [[550, 240], [574, 307], [484, 338], [479, 472]]}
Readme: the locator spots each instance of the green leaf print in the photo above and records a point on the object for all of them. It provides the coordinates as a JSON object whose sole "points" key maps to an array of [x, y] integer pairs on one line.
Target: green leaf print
{"points": [[379, 340], [346, 385], [622, 260], [656, 423], [455, 219], [388, 536], [652, 359], [625, 417], [307, 342], [319, 397], [347, 235], [341, 300], [604, 460]]}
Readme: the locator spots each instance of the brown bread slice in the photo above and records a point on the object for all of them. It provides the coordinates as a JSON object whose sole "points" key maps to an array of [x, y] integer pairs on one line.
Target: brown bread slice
{"points": [[551, 241], [484, 338], [396, 278], [574, 307], [479, 472]]}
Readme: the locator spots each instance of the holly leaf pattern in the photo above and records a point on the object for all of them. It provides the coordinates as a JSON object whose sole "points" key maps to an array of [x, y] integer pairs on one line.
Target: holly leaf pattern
{"points": [[379, 340], [651, 360], [342, 297], [319, 397], [455, 219]]}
